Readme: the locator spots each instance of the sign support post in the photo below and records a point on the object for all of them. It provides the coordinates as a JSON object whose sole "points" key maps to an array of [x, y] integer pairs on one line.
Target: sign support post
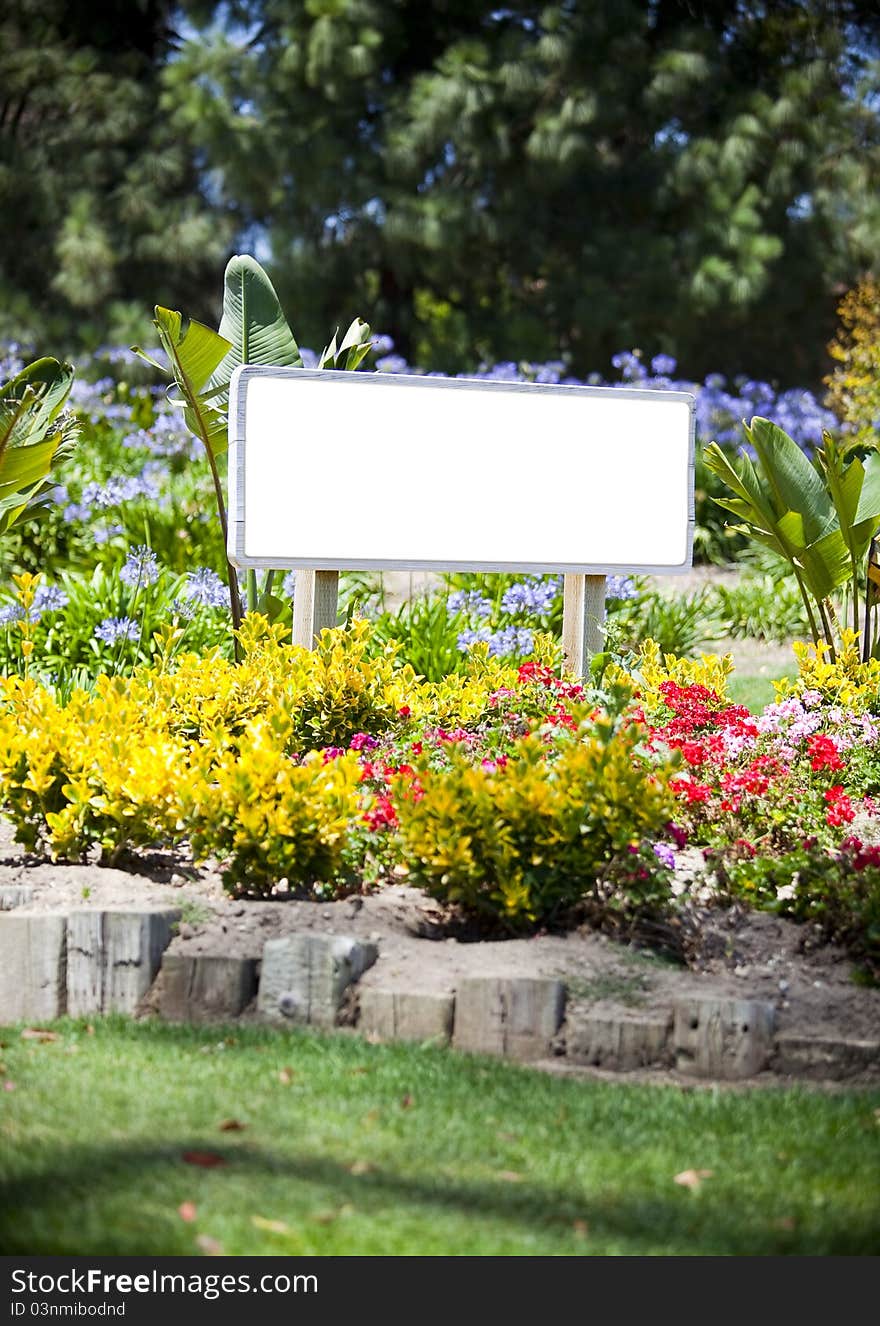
{"points": [[626, 503], [583, 621], [314, 605]]}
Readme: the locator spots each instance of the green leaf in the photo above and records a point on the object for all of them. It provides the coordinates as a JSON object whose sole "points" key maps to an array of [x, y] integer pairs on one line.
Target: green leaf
{"points": [[30, 404], [795, 484], [350, 354], [194, 353], [271, 606], [869, 497], [253, 322]]}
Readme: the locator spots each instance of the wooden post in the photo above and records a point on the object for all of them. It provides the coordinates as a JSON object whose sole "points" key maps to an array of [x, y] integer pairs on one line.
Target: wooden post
{"points": [[314, 605], [583, 620]]}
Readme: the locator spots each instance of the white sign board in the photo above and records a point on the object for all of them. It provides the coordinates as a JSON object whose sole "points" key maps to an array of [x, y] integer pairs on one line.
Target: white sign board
{"points": [[371, 470]]}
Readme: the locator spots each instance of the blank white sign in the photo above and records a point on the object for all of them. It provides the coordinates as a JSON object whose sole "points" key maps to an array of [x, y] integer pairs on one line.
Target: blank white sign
{"points": [[339, 470]]}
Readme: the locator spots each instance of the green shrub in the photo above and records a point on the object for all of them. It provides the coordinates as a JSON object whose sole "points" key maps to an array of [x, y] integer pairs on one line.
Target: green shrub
{"points": [[837, 891], [761, 606], [525, 839]]}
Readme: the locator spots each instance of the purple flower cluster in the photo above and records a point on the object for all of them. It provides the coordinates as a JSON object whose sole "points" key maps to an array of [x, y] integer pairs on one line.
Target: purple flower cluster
{"points": [[533, 596], [113, 629], [470, 601], [47, 598], [509, 640], [166, 436], [140, 568], [112, 492], [620, 587], [205, 589]]}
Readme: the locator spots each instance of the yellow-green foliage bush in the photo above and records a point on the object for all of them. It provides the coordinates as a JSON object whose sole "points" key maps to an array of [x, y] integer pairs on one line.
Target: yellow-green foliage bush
{"points": [[254, 764], [526, 839], [854, 386], [846, 681], [269, 819], [652, 667]]}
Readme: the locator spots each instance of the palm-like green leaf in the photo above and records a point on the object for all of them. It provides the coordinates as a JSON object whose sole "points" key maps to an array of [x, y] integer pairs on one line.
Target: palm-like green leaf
{"points": [[33, 439], [253, 322], [794, 484], [356, 345], [786, 506], [194, 352]]}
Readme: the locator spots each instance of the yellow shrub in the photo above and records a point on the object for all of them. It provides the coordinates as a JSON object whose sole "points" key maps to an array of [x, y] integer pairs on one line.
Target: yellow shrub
{"points": [[847, 681], [653, 668]]}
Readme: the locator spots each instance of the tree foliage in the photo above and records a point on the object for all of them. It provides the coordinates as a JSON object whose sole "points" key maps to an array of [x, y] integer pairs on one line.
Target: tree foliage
{"points": [[489, 181], [515, 181], [99, 197]]}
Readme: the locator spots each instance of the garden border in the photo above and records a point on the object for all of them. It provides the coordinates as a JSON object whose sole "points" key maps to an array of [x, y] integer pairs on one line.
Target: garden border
{"points": [[90, 962]]}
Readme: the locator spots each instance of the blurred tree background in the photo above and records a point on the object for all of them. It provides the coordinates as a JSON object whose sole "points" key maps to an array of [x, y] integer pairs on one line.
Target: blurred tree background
{"points": [[479, 180]]}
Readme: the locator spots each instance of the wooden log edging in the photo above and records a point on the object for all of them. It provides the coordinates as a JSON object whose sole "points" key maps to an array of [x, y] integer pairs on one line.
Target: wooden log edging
{"points": [[98, 961]]}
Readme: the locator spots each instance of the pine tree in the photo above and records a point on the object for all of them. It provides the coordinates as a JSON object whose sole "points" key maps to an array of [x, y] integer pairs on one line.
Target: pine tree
{"points": [[102, 206], [572, 176]]}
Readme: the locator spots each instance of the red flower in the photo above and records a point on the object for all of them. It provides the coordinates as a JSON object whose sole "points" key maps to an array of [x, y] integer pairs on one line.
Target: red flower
{"points": [[823, 753], [381, 815], [532, 671], [694, 753], [692, 791], [840, 808]]}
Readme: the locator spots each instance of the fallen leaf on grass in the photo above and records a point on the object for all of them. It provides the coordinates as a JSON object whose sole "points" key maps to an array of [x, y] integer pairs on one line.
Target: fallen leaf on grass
{"points": [[232, 1126], [38, 1034], [271, 1226], [692, 1178], [206, 1159], [406, 1101], [286, 1076], [510, 1176], [210, 1247], [581, 1229], [187, 1211], [327, 1217], [8, 1086], [358, 1072], [361, 1167], [507, 1137]]}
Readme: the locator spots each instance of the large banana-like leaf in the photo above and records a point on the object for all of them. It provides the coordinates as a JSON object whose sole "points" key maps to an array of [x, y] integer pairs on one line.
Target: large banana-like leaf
{"points": [[30, 405], [253, 322], [194, 353], [793, 483], [356, 345]]}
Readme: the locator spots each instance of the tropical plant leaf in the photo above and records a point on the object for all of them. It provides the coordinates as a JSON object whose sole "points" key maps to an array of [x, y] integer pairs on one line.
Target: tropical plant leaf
{"points": [[194, 352], [253, 322], [352, 351], [826, 564], [30, 405], [869, 498], [793, 483]]}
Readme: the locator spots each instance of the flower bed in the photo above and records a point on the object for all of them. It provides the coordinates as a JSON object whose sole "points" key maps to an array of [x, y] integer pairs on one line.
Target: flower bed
{"points": [[512, 793]]}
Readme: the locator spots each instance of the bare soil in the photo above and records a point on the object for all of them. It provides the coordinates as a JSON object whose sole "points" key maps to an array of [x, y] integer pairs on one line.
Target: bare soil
{"points": [[733, 953]]}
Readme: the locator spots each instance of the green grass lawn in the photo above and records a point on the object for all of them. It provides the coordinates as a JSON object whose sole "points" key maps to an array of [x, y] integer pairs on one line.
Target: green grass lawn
{"points": [[343, 1147], [753, 690]]}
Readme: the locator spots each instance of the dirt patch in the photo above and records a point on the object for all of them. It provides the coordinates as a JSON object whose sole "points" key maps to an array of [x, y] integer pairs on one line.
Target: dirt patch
{"points": [[736, 953]]}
